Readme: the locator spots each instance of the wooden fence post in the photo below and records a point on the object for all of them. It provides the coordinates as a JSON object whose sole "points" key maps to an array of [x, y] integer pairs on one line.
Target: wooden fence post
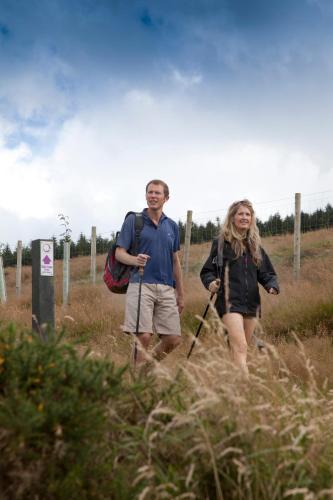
{"points": [[93, 255], [18, 268], [187, 240], [297, 236], [66, 272], [3, 293]]}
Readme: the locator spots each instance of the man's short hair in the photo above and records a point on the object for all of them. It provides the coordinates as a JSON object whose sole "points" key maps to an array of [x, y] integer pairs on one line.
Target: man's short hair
{"points": [[161, 183]]}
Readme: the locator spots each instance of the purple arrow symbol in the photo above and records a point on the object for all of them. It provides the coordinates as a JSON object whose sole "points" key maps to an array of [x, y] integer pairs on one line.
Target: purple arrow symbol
{"points": [[47, 260]]}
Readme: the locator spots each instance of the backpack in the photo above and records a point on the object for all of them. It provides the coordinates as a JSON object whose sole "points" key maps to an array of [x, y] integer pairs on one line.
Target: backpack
{"points": [[116, 275]]}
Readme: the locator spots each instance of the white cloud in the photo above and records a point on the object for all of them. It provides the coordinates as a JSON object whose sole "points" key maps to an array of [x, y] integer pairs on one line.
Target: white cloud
{"points": [[137, 97], [6, 128], [39, 87], [104, 158], [26, 184], [185, 80]]}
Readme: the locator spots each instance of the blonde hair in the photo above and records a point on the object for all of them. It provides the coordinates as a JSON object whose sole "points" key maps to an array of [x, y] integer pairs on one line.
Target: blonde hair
{"points": [[240, 241]]}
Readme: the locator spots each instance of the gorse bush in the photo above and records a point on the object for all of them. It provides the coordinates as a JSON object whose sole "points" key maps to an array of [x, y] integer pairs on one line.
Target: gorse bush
{"points": [[74, 427], [54, 417]]}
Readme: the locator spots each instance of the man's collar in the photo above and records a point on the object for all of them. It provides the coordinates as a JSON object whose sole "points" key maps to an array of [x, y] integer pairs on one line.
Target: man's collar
{"points": [[146, 216]]}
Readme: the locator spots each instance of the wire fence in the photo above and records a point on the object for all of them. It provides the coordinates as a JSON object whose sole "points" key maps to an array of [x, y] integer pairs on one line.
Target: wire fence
{"points": [[274, 217]]}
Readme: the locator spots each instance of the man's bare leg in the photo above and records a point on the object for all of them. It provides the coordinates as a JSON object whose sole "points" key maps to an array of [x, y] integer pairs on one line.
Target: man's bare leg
{"points": [[139, 354], [166, 344]]}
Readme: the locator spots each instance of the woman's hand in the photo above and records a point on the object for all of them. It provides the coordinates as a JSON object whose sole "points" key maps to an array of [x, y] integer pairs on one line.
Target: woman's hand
{"points": [[214, 286], [273, 291]]}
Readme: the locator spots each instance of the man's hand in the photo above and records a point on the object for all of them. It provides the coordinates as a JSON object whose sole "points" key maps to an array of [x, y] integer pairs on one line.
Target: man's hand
{"points": [[141, 259], [123, 256], [273, 291], [180, 304], [214, 286]]}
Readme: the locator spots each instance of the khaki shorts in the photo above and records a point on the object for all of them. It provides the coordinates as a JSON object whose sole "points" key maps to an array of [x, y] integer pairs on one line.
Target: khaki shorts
{"points": [[158, 310]]}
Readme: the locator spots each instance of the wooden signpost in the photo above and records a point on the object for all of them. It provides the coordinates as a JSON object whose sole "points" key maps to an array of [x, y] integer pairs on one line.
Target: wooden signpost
{"points": [[43, 318]]}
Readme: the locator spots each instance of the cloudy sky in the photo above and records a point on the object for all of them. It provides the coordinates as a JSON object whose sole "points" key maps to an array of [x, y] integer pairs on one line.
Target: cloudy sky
{"points": [[223, 99]]}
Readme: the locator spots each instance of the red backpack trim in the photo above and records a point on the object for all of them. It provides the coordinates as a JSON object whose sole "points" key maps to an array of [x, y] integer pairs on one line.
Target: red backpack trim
{"points": [[116, 274]]}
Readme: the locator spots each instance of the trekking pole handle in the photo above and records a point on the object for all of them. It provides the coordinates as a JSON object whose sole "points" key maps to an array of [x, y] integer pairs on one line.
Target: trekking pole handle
{"points": [[217, 283]]}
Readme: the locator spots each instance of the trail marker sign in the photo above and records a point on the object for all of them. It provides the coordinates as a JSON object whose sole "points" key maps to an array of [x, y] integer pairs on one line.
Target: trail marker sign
{"points": [[46, 258]]}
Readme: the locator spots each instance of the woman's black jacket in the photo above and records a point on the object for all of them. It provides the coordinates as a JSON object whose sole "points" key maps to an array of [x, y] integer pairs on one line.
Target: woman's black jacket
{"points": [[239, 291]]}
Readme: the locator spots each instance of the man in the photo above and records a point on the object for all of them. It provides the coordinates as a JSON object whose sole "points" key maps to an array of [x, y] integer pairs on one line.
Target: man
{"points": [[158, 259]]}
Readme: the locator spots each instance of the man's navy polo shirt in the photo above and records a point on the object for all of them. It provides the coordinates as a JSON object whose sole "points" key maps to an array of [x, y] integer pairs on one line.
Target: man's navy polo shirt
{"points": [[159, 242]]}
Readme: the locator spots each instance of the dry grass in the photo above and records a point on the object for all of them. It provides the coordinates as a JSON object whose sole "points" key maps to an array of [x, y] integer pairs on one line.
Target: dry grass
{"points": [[266, 437], [95, 315], [222, 436], [210, 433]]}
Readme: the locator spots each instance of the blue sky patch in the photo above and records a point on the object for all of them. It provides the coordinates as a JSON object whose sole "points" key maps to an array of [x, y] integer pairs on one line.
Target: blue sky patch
{"points": [[4, 30]]}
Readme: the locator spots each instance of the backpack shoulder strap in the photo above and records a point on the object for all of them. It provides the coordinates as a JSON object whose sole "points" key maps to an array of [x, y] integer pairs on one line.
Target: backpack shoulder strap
{"points": [[138, 228], [220, 245], [219, 257], [139, 222]]}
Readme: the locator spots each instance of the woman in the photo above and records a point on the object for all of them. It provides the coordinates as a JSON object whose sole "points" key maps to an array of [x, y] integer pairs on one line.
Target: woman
{"points": [[235, 266]]}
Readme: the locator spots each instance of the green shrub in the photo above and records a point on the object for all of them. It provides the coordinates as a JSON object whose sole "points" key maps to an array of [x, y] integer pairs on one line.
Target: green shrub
{"points": [[54, 417], [74, 427]]}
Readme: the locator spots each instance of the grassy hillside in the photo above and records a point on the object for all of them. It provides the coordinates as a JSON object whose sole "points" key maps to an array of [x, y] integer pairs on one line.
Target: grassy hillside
{"points": [[76, 424], [305, 307]]}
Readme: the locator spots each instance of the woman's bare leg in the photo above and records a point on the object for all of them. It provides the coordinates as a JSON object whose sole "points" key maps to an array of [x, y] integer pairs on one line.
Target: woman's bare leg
{"points": [[249, 327], [234, 323]]}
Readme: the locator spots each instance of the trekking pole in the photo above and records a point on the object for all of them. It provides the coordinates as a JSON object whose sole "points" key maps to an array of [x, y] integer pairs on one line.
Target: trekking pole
{"points": [[200, 326], [141, 271]]}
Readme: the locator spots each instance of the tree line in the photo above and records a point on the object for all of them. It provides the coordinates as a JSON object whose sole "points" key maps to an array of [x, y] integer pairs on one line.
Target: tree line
{"points": [[321, 218], [79, 248]]}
